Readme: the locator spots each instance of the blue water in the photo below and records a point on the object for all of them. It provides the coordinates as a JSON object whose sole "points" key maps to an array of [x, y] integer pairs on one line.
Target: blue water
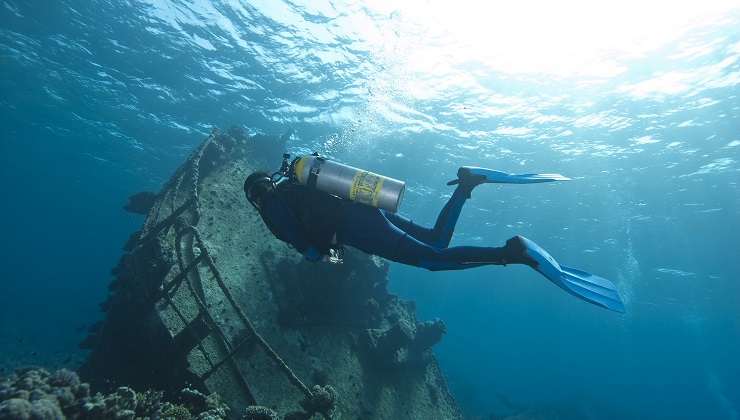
{"points": [[102, 99]]}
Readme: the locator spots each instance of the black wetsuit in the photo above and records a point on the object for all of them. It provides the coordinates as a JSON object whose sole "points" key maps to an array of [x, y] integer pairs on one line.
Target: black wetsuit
{"points": [[313, 222]]}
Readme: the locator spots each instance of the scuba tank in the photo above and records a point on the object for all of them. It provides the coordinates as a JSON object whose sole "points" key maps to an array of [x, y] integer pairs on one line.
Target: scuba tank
{"points": [[348, 182]]}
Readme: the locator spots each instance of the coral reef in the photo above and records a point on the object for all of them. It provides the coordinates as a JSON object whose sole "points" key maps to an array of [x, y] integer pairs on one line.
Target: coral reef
{"points": [[177, 412], [257, 412], [322, 400], [34, 393]]}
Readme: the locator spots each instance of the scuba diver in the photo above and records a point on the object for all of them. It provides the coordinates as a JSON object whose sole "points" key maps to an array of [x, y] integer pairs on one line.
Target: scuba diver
{"points": [[318, 206]]}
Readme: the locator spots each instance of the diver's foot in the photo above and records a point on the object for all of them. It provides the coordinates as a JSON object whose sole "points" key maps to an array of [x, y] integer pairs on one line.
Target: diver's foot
{"points": [[515, 252], [466, 181]]}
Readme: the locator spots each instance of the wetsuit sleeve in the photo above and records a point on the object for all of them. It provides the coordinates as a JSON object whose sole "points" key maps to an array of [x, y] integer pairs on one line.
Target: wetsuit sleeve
{"points": [[281, 219]]}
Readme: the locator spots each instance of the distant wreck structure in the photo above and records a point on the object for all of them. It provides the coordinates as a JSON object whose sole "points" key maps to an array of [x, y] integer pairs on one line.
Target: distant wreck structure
{"points": [[206, 299]]}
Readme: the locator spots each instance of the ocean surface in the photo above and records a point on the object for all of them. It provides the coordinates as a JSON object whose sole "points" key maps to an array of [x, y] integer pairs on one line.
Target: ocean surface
{"points": [[637, 102]]}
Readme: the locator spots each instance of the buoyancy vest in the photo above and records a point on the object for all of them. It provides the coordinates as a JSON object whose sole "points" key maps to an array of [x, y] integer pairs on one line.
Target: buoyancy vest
{"points": [[318, 214]]}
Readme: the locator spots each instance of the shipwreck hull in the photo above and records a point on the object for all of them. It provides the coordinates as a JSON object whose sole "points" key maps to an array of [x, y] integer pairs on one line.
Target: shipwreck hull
{"points": [[206, 298]]}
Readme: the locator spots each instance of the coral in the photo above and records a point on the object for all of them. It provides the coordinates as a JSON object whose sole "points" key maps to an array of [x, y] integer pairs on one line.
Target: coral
{"points": [[15, 408], [64, 378], [297, 415], [121, 403], [125, 398], [149, 403], [65, 397], [177, 412], [321, 401], [30, 379], [206, 406], [213, 401], [211, 415], [216, 409], [428, 334], [257, 412], [194, 397], [34, 394], [46, 409]]}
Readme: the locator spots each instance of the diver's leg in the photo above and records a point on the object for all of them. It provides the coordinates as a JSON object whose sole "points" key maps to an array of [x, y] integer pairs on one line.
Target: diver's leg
{"points": [[447, 219], [367, 229], [441, 234], [413, 252]]}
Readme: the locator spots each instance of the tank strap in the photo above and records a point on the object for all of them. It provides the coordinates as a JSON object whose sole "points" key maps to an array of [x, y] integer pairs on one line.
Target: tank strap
{"points": [[313, 174], [272, 228]]}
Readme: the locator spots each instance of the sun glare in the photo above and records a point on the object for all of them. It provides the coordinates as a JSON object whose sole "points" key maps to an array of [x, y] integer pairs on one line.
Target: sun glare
{"points": [[565, 38]]}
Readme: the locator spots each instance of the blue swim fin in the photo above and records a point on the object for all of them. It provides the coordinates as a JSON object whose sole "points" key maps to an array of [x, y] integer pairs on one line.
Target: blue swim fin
{"points": [[498, 177], [580, 284]]}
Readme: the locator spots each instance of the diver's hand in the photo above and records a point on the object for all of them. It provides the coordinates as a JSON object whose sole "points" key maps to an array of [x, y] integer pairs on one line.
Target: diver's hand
{"points": [[333, 257]]}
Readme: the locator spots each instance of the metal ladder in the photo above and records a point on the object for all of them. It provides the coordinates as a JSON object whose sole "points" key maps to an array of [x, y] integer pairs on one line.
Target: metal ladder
{"points": [[184, 219]]}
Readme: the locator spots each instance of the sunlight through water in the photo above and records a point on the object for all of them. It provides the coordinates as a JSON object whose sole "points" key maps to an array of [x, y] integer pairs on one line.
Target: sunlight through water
{"points": [[562, 39]]}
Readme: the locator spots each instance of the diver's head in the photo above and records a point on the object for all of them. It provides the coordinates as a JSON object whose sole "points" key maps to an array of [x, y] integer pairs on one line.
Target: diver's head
{"points": [[256, 186]]}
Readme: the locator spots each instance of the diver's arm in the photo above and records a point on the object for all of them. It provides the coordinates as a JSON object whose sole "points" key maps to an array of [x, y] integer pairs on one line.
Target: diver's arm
{"points": [[282, 219]]}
